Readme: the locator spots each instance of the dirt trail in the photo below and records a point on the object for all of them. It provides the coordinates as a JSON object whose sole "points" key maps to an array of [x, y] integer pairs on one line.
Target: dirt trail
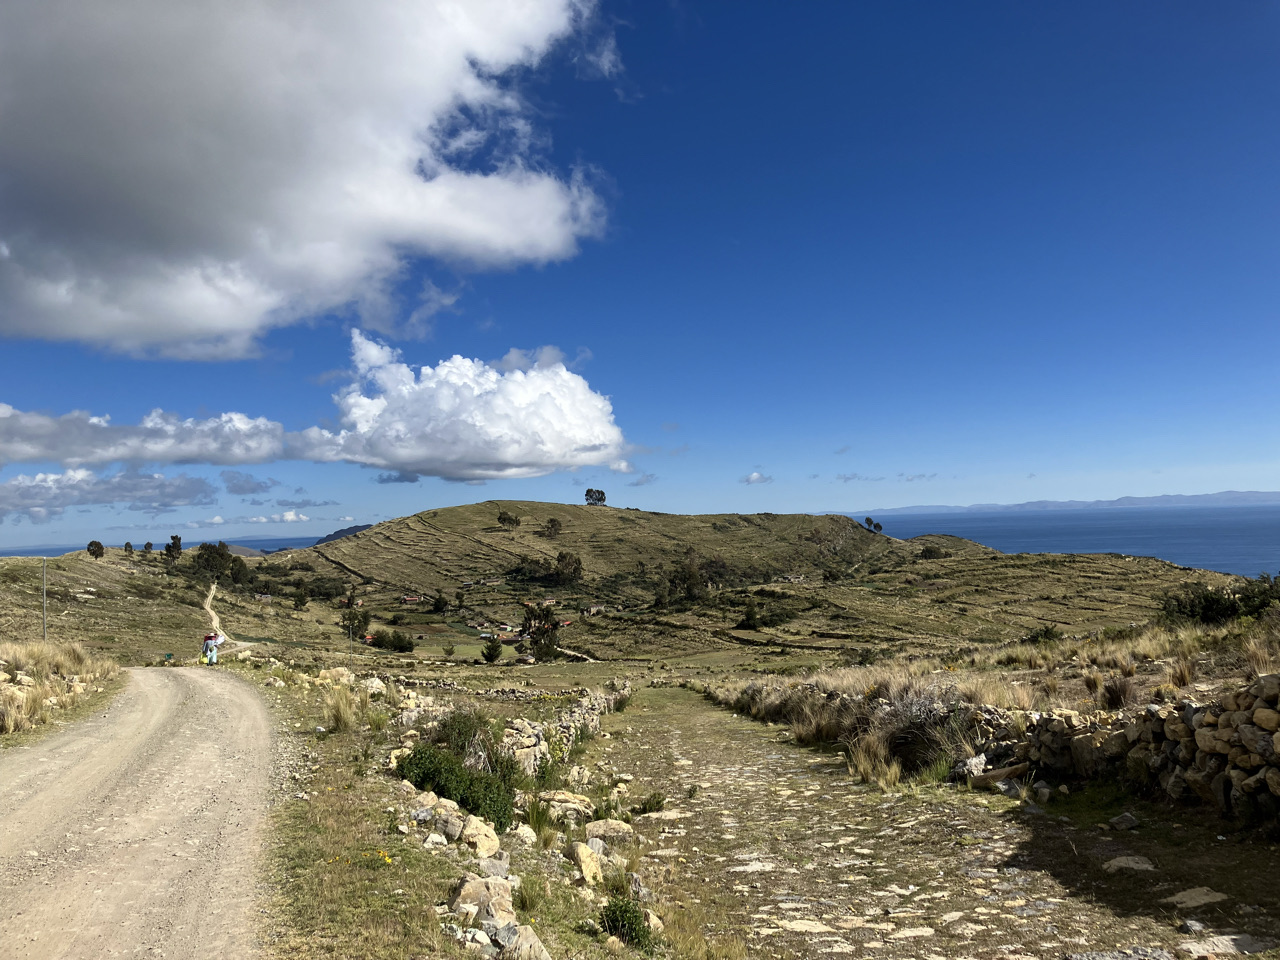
{"points": [[804, 862], [208, 608], [136, 831]]}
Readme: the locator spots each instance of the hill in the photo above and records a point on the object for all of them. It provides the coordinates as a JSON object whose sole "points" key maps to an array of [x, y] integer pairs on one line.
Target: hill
{"points": [[724, 589], [344, 532], [823, 585]]}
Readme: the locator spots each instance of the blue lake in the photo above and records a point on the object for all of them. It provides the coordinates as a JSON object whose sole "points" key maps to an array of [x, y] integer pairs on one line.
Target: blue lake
{"points": [[1243, 540]]}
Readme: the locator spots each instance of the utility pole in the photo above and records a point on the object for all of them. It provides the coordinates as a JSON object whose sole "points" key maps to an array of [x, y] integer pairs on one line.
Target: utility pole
{"points": [[44, 590]]}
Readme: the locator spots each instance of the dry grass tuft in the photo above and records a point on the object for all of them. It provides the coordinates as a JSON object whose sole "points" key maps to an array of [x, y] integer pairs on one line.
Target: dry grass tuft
{"points": [[339, 710], [58, 670], [1259, 656], [1093, 682], [1181, 671], [1119, 692]]}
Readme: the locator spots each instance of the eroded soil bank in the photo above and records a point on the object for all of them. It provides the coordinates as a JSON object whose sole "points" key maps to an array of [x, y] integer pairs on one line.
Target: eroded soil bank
{"points": [[801, 861]]}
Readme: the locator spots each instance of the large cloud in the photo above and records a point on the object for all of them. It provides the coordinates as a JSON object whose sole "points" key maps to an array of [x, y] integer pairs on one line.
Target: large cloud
{"points": [[182, 176], [461, 420], [466, 420], [44, 496]]}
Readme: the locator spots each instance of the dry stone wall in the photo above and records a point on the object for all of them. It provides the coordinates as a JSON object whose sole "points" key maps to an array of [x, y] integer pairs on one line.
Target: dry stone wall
{"points": [[1226, 754]]}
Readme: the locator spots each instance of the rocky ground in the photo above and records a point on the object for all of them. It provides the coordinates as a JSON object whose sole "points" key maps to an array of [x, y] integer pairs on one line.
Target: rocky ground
{"points": [[802, 861]]}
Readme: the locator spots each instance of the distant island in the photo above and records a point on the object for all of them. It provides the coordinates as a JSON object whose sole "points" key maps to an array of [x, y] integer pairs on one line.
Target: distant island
{"points": [[1228, 498], [344, 532]]}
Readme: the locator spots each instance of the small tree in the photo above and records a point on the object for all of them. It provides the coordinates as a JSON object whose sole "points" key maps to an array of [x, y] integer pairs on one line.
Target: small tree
{"points": [[458, 597], [542, 628], [301, 598], [448, 648], [128, 549], [96, 549], [508, 521], [492, 649], [551, 529], [568, 568], [146, 549], [173, 549], [595, 498], [751, 617], [354, 620], [439, 604]]}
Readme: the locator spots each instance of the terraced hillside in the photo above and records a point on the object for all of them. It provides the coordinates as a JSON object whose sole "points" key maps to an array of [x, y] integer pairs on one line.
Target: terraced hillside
{"points": [[440, 549], [803, 585]]}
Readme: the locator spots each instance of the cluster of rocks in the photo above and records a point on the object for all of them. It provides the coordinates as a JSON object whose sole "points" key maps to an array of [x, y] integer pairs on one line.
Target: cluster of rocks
{"points": [[54, 692], [533, 744], [484, 920], [1227, 754]]}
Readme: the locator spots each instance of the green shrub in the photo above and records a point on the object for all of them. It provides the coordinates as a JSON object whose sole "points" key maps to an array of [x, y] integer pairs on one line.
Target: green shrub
{"points": [[653, 803], [490, 796], [397, 641], [624, 919]]}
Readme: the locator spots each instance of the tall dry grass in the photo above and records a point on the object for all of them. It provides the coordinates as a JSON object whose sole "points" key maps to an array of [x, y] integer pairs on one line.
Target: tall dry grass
{"points": [[55, 670]]}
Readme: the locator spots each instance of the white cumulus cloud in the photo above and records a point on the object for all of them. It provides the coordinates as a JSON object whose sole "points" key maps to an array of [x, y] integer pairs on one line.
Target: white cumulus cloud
{"points": [[180, 177], [466, 420], [755, 476], [461, 420]]}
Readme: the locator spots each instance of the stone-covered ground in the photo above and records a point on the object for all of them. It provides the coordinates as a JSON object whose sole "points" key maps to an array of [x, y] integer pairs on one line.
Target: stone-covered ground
{"points": [[800, 860]]}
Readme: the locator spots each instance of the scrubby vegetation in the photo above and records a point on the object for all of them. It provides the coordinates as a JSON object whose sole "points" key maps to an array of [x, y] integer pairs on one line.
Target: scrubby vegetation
{"points": [[38, 678]]}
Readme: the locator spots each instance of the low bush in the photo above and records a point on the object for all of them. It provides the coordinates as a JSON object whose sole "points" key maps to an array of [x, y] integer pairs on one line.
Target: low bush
{"points": [[624, 919], [653, 803], [490, 796]]}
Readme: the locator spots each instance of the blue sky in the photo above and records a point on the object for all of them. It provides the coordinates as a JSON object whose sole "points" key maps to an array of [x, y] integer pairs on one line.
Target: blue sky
{"points": [[861, 255]]}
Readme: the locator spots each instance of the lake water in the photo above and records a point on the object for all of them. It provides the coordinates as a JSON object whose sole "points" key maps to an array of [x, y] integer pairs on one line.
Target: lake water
{"points": [[1243, 540]]}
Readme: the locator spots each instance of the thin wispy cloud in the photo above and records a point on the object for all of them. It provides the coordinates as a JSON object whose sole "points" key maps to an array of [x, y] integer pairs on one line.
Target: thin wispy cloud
{"points": [[857, 478]]}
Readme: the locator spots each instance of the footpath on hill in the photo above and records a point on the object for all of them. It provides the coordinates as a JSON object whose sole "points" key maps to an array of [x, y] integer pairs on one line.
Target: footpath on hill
{"points": [[136, 832], [799, 860]]}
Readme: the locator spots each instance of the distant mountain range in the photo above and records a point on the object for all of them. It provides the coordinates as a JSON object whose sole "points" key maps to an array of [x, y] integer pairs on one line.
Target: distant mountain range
{"points": [[1228, 498]]}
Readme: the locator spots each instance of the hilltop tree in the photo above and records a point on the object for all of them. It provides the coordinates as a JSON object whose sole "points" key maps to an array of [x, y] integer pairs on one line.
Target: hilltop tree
{"points": [[492, 649], [147, 548], [595, 498], [173, 549], [128, 549], [96, 549], [508, 521]]}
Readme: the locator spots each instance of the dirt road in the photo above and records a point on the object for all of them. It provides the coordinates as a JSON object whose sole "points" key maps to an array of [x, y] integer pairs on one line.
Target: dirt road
{"points": [[135, 833]]}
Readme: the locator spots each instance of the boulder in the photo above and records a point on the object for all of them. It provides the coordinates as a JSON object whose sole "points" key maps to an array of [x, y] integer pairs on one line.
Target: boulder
{"points": [[479, 836], [616, 832], [524, 945], [450, 822], [1267, 719], [337, 675], [586, 860], [375, 686], [490, 896], [523, 834]]}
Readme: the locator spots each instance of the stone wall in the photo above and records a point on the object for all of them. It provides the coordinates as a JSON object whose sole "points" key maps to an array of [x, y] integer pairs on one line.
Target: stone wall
{"points": [[1226, 754]]}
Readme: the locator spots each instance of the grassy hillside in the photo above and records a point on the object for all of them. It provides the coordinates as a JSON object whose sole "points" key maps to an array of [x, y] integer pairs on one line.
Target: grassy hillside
{"points": [[793, 590]]}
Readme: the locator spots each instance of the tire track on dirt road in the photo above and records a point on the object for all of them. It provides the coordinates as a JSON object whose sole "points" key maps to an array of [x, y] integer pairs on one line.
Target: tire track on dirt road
{"points": [[137, 831]]}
